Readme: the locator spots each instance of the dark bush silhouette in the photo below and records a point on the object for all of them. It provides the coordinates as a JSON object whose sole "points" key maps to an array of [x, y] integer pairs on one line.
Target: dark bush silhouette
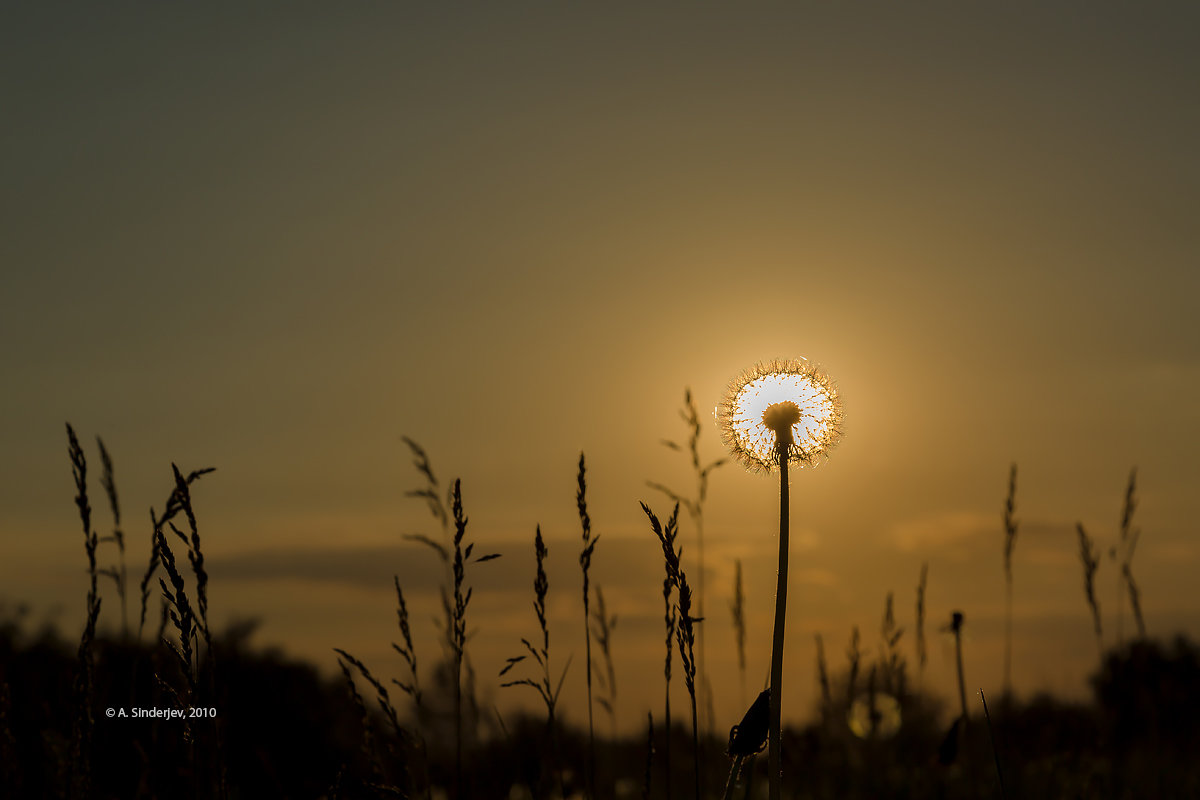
{"points": [[286, 730]]}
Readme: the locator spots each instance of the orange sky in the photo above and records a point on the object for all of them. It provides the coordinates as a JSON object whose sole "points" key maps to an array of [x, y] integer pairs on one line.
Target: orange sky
{"points": [[275, 242]]}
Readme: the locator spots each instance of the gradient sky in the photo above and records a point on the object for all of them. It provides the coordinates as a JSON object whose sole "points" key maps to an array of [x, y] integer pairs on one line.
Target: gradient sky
{"points": [[275, 241]]}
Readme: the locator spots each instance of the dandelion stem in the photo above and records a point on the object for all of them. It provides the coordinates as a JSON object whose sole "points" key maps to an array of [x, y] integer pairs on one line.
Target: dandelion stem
{"points": [[774, 754]]}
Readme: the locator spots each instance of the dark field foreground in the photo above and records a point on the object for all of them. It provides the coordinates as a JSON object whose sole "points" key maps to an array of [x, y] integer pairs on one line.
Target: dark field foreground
{"points": [[285, 731]]}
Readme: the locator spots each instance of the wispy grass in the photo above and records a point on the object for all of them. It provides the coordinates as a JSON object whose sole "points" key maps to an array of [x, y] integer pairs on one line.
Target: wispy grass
{"points": [[117, 572], [685, 635], [1091, 562], [383, 698], [543, 685], [412, 687], [956, 628], [894, 667], [431, 493], [1010, 540], [1127, 544], [79, 472], [666, 537], [455, 553], [188, 631], [1135, 595], [462, 598], [823, 681], [384, 701], [922, 651], [694, 505], [84, 694], [585, 564], [366, 745], [172, 508], [456, 597], [685, 629], [854, 659], [181, 614], [195, 554], [603, 625], [737, 608], [987, 715], [407, 651], [78, 746], [84, 684]]}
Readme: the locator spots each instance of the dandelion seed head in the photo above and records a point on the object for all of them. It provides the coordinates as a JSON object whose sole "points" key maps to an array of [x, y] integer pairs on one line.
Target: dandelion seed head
{"points": [[780, 402]]}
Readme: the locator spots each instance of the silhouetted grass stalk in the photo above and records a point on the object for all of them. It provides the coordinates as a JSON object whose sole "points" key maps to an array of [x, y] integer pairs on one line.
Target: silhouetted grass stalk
{"points": [[385, 705], [80, 761], [686, 636], [172, 508], [544, 688], [585, 563], [431, 493], [956, 625], [666, 537], [195, 554], [604, 623], [695, 509], [117, 573], [196, 559], [457, 604], [1091, 562], [459, 631], [181, 614], [407, 651], [412, 687], [992, 737], [455, 597], [685, 631], [854, 657], [183, 617], [366, 745], [1010, 539], [894, 668], [922, 654], [823, 681], [738, 609], [1128, 543]]}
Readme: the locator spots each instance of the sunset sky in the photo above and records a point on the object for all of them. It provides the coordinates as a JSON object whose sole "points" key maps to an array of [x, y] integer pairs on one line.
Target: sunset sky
{"points": [[275, 242]]}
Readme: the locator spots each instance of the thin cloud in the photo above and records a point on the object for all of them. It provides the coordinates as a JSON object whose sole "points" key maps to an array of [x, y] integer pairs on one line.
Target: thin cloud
{"points": [[621, 563], [946, 531]]}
